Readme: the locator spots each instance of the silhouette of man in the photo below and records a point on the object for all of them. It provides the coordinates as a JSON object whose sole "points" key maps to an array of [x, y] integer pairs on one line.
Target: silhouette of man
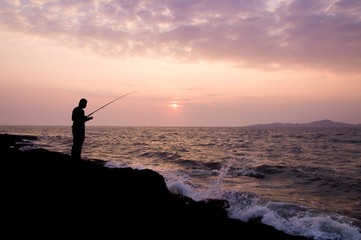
{"points": [[78, 128]]}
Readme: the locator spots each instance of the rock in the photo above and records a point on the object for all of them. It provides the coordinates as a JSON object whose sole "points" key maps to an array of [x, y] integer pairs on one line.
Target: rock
{"points": [[48, 194]]}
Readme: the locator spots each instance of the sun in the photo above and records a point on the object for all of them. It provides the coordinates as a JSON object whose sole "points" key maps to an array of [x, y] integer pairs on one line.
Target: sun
{"points": [[174, 105]]}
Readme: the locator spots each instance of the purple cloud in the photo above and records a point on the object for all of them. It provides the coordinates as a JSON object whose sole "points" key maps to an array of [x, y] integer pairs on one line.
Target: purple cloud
{"points": [[320, 34]]}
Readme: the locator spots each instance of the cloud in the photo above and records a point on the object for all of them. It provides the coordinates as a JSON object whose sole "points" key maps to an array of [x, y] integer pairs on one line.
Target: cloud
{"points": [[320, 34]]}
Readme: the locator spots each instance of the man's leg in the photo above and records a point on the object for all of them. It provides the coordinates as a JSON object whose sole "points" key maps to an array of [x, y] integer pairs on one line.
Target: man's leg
{"points": [[78, 140]]}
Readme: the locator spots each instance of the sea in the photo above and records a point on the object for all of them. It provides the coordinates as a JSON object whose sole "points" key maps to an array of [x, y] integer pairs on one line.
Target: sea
{"points": [[303, 181]]}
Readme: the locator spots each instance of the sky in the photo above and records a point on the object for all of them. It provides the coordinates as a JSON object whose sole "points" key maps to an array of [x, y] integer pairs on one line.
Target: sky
{"points": [[189, 62]]}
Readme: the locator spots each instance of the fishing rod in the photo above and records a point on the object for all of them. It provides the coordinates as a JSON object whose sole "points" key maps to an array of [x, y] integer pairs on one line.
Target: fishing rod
{"points": [[109, 103]]}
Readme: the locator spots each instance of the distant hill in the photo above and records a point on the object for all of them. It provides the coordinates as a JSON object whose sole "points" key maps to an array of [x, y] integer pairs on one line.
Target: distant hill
{"points": [[316, 124]]}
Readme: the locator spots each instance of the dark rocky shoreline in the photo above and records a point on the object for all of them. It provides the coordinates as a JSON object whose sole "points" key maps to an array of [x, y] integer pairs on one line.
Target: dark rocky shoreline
{"points": [[48, 194]]}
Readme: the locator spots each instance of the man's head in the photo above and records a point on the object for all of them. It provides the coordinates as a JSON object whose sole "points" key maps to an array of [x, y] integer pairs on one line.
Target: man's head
{"points": [[83, 102]]}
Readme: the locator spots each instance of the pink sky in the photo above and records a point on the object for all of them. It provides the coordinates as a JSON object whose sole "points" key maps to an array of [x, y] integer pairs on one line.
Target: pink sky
{"points": [[192, 63]]}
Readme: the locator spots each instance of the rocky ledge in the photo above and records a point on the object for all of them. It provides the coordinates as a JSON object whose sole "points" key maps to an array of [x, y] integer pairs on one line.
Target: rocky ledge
{"points": [[48, 194]]}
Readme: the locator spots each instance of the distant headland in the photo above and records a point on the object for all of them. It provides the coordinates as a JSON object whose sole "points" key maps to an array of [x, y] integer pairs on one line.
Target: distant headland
{"points": [[316, 124]]}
